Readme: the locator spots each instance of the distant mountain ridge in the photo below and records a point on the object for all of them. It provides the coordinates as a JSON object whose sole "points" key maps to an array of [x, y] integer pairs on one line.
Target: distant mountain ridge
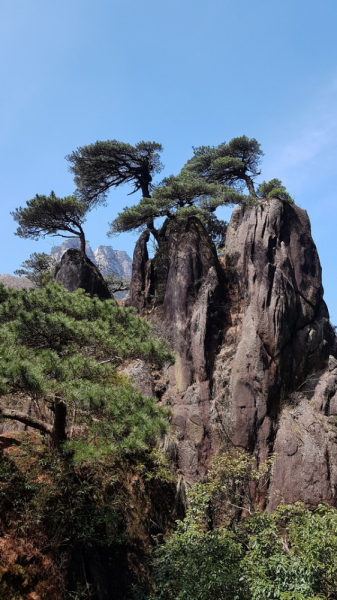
{"points": [[105, 258]]}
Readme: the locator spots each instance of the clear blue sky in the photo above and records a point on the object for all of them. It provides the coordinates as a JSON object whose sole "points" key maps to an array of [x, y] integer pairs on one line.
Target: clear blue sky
{"points": [[180, 72]]}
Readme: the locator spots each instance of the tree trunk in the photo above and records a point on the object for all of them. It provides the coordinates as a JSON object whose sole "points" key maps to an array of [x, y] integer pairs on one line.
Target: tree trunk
{"points": [[16, 415], [59, 428], [250, 186], [82, 241], [56, 432], [150, 224], [145, 189]]}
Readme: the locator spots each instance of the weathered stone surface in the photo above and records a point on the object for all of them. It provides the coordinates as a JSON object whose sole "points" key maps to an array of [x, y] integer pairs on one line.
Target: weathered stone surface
{"points": [[138, 370], [305, 467], [116, 261], [140, 274], [17, 283], [185, 312], [57, 251], [283, 333], [246, 337], [77, 271], [106, 259], [191, 311]]}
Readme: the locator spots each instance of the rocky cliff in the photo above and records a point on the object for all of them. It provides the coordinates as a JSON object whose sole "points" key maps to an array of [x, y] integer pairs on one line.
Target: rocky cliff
{"points": [[109, 260], [252, 339]]}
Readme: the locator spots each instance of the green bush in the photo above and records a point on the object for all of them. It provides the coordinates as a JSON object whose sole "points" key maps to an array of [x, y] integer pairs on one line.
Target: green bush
{"points": [[274, 189], [214, 554]]}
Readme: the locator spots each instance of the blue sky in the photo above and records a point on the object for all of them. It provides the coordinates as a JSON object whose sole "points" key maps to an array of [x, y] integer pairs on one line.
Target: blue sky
{"points": [[180, 72]]}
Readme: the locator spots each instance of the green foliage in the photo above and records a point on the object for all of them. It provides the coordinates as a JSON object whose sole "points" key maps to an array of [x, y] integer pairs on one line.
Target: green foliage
{"points": [[38, 268], [213, 177], [199, 565], [155, 466], [103, 165], [48, 215], [292, 554], [289, 555], [177, 199], [168, 201], [274, 189], [216, 229], [206, 554], [65, 347], [235, 164], [69, 515]]}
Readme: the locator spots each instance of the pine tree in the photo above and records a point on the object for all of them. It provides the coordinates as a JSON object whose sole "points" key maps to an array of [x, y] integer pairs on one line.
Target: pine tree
{"points": [[38, 268], [49, 215], [62, 350], [177, 198]]}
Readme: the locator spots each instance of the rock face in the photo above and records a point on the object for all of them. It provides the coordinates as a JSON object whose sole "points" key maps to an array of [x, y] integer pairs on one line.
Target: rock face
{"points": [[105, 258], [305, 467], [249, 334], [141, 267], [192, 296], [284, 333], [58, 251], [77, 271], [116, 261], [17, 283], [278, 334]]}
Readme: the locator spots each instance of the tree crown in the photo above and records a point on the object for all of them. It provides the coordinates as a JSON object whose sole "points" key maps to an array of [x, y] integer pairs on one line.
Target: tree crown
{"points": [[38, 268], [103, 165], [234, 164], [49, 215], [274, 189], [61, 347], [176, 198]]}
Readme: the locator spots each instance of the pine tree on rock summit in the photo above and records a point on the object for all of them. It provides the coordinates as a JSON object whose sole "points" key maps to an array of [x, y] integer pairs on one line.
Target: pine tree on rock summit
{"points": [[50, 215], [103, 165], [213, 177]]}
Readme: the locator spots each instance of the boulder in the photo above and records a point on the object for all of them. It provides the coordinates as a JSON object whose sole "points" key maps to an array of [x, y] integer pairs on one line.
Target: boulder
{"points": [[76, 270], [17, 283]]}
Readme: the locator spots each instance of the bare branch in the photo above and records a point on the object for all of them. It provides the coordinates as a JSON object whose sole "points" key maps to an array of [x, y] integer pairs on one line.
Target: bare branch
{"points": [[10, 413]]}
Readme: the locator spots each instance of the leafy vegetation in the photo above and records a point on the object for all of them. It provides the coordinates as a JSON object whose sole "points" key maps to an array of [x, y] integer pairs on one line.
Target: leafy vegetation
{"points": [[274, 189], [213, 177], [48, 215], [61, 523], [69, 493], [38, 268], [215, 554], [62, 350], [234, 164], [103, 165]]}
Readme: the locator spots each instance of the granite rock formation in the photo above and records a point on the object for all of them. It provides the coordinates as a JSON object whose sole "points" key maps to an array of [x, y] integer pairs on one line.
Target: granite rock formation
{"points": [[109, 260], [105, 258], [139, 288], [76, 270], [249, 334], [17, 283], [58, 251]]}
